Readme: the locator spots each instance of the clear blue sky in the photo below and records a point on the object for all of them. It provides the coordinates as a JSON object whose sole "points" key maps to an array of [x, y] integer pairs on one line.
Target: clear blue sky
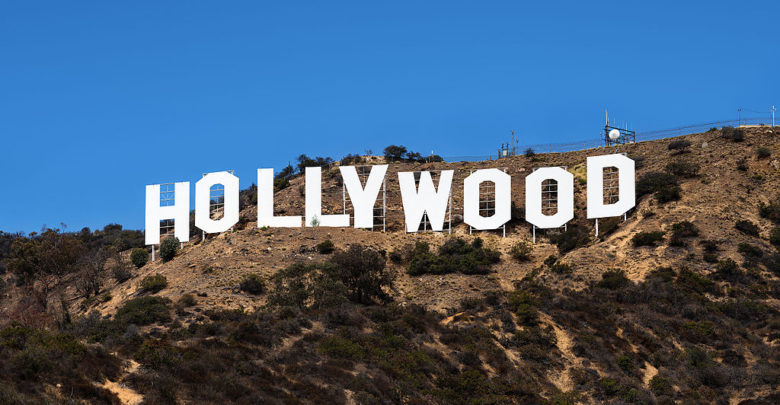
{"points": [[98, 99]]}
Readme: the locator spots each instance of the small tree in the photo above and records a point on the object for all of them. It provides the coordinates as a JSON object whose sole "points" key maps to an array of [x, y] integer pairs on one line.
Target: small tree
{"points": [[325, 247], [252, 284], [168, 248], [395, 153], [139, 257], [362, 271], [521, 251], [154, 283]]}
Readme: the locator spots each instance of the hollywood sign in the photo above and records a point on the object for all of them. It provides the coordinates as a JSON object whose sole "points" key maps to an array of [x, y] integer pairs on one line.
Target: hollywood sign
{"points": [[418, 198]]}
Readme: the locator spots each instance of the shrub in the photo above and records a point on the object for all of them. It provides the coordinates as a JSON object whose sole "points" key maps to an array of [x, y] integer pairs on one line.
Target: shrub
{"points": [[325, 247], [252, 284], [351, 159], [362, 271], [763, 153], [774, 236], [394, 153], [120, 269], [681, 230], [521, 251], [341, 347], [560, 268], [770, 211], [168, 248], [742, 165], [626, 363], [570, 239], [186, 300], [153, 283], [735, 135], [694, 282], [144, 311], [665, 274], [524, 305], [608, 225], [747, 227], [647, 238], [728, 270], [750, 251], [613, 280], [529, 153], [683, 169], [663, 186], [455, 256], [661, 386], [679, 146], [139, 257]]}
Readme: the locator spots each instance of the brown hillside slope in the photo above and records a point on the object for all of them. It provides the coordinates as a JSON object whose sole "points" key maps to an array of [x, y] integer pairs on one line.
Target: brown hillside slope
{"points": [[713, 201]]}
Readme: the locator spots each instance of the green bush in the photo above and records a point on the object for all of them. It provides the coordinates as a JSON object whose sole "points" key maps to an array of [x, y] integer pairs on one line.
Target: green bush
{"points": [[728, 270], [186, 300], [560, 268], [763, 153], [661, 386], [121, 269], [570, 239], [663, 186], [749, 251], [139, 257], [455, 256], [626, 363], [144, 311], [168, 248], [362, 272], [341, 347], [679, 145], [682, 230], [613, 280], [774, 236], [770, 211], [325, 247], [524, 305], [647, 238], [747, 227], [252, 284], [694, 282], [683, 169], [734, 134], [521, 251], [153, 283]]}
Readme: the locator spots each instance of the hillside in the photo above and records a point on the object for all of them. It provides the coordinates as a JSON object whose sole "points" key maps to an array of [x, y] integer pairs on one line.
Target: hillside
{"points": [[687, 315]]}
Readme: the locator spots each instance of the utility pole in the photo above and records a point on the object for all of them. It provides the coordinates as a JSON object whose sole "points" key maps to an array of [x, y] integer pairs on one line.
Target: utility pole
{"points": [[739, 117], [773, 116]]}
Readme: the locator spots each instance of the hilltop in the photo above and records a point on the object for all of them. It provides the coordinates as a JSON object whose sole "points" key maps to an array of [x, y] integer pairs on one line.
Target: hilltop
{"points": [[678, 303]]}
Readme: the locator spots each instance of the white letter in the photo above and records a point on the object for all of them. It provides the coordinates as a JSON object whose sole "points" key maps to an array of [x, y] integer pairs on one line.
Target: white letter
{"points": [[179, 212], [626, 194], [425, 200], [314, 215], [203, 202], [503, 213], [363, 200], [265, 203], [533, 197]]}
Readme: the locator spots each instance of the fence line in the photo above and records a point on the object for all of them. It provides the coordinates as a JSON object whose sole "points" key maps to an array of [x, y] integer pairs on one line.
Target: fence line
{"points": [[640, 136]]}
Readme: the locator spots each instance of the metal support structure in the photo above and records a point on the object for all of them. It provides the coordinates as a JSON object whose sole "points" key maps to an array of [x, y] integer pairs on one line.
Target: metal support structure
{"points": [[773, 116]]}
